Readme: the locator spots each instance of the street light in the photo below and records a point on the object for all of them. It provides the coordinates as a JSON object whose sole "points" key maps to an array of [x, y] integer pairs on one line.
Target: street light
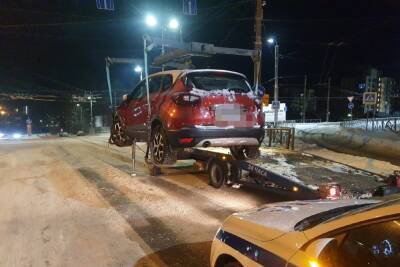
{"points": [[276, 85], [139, 69], [81, 115], [173, 24], [151, 21]]}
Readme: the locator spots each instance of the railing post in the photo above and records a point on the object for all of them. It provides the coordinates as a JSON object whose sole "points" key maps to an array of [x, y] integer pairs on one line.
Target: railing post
{"points": [[293, 135], [269, 137]]}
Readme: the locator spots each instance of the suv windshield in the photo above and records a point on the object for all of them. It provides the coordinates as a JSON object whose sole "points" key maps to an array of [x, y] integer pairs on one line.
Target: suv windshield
{"points": [[213, 81]]}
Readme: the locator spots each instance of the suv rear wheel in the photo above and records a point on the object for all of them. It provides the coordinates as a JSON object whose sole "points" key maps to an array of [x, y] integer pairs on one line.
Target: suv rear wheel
{"points": [[160, 150], [245, 152]]}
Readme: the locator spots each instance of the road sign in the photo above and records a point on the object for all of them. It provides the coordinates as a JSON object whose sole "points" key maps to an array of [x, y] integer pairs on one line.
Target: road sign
{"points": [[190, 7], [369, 98], [350, 105], [350, 98], [105, 4], [275, 104]]}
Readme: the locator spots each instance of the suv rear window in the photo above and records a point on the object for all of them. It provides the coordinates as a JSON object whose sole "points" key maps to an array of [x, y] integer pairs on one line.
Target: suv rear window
{"points": [[213, 81]]}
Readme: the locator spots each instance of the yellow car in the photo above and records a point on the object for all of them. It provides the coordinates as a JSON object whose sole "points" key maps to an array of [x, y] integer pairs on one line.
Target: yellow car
{"points": [[311, 234]]}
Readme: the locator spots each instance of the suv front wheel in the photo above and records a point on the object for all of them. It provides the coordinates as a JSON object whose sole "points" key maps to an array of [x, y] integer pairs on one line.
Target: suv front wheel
{"points": [[160, 150], [118, 135]]}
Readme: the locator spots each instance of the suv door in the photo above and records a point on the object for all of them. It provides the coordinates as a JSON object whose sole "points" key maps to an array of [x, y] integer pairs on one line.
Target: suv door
{"points": [[142, 109], [159, 98], [134, 116]]}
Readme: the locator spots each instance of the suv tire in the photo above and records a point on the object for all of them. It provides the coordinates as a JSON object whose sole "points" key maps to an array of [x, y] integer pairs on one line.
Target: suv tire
{"points": [[245, 152], [118, 133], [161, 153]]}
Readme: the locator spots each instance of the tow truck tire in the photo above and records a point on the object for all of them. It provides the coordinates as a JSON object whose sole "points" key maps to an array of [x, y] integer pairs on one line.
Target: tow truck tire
{"points": [[245, 152], [217, 173]]}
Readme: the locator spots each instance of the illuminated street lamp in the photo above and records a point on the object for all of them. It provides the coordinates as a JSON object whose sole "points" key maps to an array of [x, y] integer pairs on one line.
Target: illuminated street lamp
{"points": [[139, 69], [276, 85], [151, 21], [173, 24]]}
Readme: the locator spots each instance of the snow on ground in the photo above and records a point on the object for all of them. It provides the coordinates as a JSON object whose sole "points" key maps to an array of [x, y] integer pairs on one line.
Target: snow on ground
{"points": [[362, 163], [73, 202]]}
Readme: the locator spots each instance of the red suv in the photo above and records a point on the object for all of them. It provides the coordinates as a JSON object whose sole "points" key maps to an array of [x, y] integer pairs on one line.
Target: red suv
{"points": [[191, 108]]}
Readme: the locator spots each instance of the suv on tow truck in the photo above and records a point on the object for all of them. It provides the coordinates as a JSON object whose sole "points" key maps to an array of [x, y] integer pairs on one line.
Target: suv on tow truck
{"points": [[191, 108]]}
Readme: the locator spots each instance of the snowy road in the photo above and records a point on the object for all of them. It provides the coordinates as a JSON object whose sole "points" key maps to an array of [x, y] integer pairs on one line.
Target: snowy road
{"points": [[72, 202]]}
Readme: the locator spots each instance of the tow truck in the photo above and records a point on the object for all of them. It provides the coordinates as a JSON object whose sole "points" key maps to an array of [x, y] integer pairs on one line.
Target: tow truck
{"points": [[302, 176], [292, 173]]}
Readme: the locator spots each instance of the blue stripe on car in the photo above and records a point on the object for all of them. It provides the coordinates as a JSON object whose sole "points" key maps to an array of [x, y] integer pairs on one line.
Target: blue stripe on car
{"points": [[250, 250]]}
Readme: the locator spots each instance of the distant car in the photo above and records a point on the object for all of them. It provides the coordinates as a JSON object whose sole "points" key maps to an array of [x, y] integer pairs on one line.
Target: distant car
{"points": [[10, 132], [311, 234], [191, 108]]}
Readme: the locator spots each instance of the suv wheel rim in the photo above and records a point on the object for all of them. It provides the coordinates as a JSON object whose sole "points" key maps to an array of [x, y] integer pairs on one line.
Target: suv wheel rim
{"points": [[158, 147], [119, 134]]}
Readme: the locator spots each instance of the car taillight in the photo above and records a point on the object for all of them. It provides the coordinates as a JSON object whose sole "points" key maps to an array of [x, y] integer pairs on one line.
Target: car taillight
{"points": [[186, 99]]}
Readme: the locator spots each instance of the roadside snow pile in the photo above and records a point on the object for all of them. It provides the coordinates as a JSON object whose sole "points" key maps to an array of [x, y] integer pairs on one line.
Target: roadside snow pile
{"points": [[374, 166], [354, 141]]}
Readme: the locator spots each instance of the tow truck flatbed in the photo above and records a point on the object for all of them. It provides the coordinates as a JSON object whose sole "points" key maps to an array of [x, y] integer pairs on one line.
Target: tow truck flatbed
{"points": [[287, 171]]}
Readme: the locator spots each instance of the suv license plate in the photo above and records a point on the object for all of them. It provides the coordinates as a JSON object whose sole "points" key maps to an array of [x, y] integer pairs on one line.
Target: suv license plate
{"points": [[227, 113]]}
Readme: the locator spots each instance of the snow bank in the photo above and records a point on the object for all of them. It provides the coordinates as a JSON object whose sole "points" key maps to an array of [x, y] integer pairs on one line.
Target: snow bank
{"points": [[354, 141]]}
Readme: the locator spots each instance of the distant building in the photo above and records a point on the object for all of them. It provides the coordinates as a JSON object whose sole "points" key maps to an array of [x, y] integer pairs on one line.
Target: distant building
{"points": [[386, 89], [372, 81]]}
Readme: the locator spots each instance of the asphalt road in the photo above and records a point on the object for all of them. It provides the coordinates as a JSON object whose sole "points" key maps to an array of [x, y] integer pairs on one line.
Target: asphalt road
{"points": [[73, 202]]}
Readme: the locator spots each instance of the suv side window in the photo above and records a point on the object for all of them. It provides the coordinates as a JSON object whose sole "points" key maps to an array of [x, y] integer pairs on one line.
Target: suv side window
{"points": [[376, 244], [166, 82], [154, 84], [137, 93]]}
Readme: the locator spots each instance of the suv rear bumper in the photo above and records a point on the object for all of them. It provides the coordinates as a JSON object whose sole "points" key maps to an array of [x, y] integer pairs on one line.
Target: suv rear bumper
{"points": [[214, 136]]}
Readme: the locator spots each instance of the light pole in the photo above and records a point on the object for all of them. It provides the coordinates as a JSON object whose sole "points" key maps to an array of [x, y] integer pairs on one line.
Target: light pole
{"points": [[276, 84], [139, 70], [81, 117]]}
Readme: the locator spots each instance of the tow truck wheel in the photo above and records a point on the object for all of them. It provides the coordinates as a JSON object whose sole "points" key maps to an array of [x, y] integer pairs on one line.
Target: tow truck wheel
{"points": [[245, 152], [216, 173]]}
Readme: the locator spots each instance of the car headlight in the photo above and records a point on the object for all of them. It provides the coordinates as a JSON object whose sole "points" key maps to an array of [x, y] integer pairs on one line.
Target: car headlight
{"points": [[16, 136]]}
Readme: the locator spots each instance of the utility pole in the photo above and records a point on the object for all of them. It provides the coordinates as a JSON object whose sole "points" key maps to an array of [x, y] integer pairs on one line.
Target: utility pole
{"points": [[90, 98], [258, 43], [276, 86], [304, 99], [328, 100]]}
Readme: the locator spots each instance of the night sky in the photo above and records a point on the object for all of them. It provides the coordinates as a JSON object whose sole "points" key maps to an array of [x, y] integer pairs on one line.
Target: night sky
{"points": [[60, 45]]}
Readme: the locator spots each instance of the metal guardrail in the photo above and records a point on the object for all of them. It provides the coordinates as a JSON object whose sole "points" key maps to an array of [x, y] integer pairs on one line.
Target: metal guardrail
{"points": [[281, 136], [374, 124]]}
